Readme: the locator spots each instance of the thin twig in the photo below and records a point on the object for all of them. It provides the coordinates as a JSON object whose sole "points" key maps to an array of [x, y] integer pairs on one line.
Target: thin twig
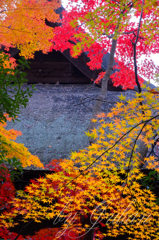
{"points": [[143, 122]]}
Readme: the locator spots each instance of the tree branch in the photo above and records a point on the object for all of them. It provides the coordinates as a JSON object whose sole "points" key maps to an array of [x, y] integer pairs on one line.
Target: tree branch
{"points": [[125, 134]]}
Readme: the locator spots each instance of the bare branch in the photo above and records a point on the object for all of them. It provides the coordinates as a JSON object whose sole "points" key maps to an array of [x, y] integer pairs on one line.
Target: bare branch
{"points": [[13, 29], [134, 46], [129, 32], [3, 11], [109, 36]]}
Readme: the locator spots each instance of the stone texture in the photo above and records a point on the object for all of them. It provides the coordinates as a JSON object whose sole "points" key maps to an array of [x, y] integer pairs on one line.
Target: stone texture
{"points": [[55, 120], [57, 116]]}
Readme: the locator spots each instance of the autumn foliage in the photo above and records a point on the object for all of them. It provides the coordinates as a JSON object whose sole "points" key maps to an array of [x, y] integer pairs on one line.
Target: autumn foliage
{"points": [[29, 32], [12, 149], [92, 26], [104, 190], [94, 192], [7, 190]]}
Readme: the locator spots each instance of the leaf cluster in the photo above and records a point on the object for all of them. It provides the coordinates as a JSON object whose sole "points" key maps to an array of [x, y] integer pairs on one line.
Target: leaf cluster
{"points": [[22, 25], [15, 153], [152, 180], [12, 96], [92, 26]]}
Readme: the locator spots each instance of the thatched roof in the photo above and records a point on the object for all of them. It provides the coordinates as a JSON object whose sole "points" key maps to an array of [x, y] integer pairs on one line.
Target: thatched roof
{"points": [[81, 62]]}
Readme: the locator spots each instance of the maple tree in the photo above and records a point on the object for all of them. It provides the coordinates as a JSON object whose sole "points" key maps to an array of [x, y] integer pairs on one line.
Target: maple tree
{"points": [[125, 29], [111, 23], [22, 25]]}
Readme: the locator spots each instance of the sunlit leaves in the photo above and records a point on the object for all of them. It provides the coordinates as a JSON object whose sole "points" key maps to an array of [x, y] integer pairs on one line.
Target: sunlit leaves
{"points": [[23, 25], [92, 25], [12, 149], [94, 186]]}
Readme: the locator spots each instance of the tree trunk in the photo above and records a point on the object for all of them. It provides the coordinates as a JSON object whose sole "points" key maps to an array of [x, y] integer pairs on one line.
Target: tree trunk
{"points": [[102, 95]]}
